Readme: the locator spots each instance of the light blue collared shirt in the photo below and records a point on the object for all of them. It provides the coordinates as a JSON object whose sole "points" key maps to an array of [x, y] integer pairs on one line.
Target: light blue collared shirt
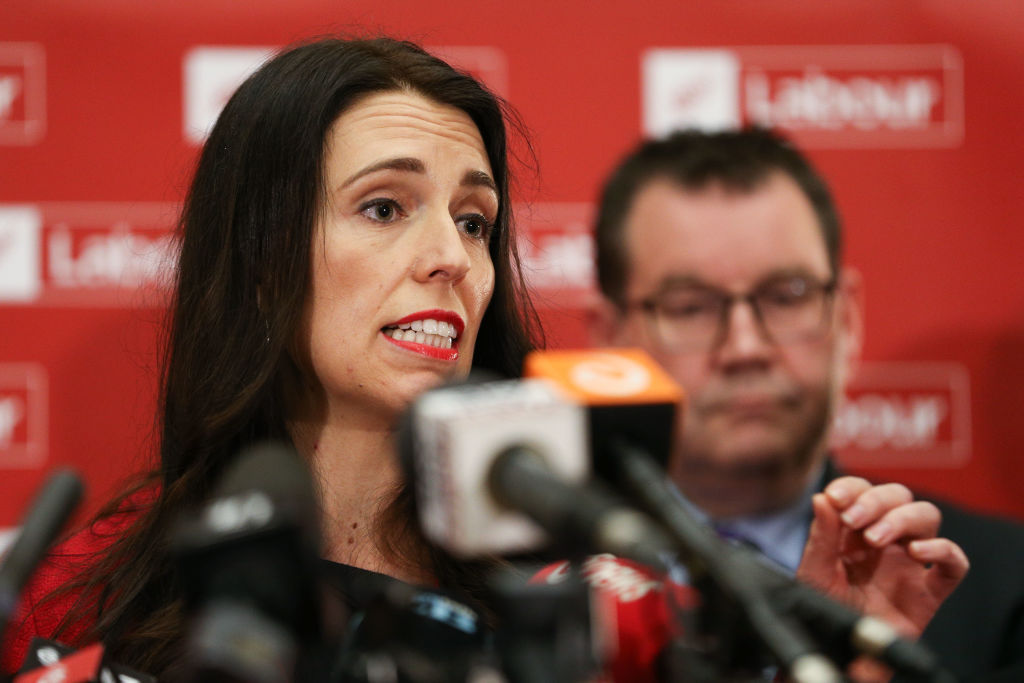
{"points": [[781, 535]]}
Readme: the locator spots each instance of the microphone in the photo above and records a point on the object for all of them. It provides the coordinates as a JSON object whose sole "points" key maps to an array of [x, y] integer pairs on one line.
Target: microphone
{"points": [[418, 635], [630, 449], [625, 394], [551, 631], [494, 464], [606, 379], [849, 632], [48, 660], [248, 560], [48, 513], [73, 667]]}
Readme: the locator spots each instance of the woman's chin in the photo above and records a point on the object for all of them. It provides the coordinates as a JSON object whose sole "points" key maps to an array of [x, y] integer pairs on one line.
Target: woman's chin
{"points": [[414, 386]]}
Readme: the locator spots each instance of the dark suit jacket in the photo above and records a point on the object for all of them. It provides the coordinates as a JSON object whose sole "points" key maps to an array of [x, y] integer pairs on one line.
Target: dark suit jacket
{"points": [[978, 633]]}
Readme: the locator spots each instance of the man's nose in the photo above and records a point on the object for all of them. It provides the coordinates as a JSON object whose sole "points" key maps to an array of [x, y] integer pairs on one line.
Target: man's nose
{"points": [[743, 336]]}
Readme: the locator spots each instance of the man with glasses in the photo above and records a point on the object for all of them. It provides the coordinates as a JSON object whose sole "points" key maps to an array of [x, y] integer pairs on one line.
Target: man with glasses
{"points": [[720, 255]]}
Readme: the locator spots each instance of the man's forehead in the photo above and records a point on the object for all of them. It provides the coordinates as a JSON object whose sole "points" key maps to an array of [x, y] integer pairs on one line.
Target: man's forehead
{"points": [[728, 237]]}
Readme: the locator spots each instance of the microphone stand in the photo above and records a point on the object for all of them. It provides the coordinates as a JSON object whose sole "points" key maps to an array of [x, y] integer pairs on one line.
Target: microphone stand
{"points": [[776, 606], [49, 511], [546, 633]]}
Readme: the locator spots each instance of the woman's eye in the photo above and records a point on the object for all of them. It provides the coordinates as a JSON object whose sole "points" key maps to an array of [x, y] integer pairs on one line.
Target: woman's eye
{"points": [[476, 226], [381, 210]]}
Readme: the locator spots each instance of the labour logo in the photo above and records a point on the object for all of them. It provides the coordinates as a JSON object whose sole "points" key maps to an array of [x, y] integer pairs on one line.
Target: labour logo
{"points": [[823, 96], [23, 415], [22, 93], [212, 74], [905, 414], [20, 236]]}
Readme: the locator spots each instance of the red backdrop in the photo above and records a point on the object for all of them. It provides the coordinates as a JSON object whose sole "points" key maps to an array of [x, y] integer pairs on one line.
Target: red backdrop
{"points": [[908, 109]]}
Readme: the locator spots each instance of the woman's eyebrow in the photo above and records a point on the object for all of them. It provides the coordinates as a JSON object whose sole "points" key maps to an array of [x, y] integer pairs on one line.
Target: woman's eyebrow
{"points": [[474, 178], [479, 179], [407, 164]]}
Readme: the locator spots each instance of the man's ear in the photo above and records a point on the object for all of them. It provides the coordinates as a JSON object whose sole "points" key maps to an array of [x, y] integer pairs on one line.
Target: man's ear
{"points": [[604, 322], [850, 299]]}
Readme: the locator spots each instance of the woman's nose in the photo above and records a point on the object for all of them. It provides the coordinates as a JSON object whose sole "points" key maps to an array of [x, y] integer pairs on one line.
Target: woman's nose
{"points": [[441, 253]]}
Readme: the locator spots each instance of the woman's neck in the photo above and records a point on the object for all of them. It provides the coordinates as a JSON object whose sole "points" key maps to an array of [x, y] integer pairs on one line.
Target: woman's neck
{"points": [[359, 478]]}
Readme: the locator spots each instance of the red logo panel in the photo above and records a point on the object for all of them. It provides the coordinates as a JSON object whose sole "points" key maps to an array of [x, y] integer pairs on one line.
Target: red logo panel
{"points": [[212, 73], [908, 414], [557, 252], [22, 93], [97, 254], [873, 96], [24, 427]]}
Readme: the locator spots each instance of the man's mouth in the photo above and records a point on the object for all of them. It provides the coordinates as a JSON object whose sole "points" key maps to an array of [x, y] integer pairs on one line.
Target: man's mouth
{"points": [[750, 401], [753, 404], [436, 333]]}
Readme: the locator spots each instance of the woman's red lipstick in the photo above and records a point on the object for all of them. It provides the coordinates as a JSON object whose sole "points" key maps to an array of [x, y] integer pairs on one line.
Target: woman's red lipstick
{"points": [[432, 333]]}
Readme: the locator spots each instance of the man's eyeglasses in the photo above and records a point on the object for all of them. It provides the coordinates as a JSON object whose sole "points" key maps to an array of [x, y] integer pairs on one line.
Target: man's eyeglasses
{"points": [[692, 317]]}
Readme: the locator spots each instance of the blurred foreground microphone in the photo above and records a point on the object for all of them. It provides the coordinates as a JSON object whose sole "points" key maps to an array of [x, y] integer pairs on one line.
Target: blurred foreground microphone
{"points": [[500, 468], [626, 395], [496, 464], [249, 561], [48, 513], [48, 660], [407, 634], [631, 404]]}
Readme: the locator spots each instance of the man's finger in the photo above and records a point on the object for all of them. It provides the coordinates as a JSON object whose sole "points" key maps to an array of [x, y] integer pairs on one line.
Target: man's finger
{"points": [[871, 505], [949, 564], [821, 553], [843, 491], [919, 519]]}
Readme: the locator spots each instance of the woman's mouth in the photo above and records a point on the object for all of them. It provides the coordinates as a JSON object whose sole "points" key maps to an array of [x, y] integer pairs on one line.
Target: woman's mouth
{"points": [[428, 336], [436, 333]]}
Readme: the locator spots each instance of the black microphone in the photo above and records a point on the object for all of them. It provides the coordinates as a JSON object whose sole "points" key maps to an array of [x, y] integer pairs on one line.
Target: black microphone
{"points": [[249, 564], [583, 518], [418, 635], [49, 512], [631, 400], [485, 458], [628, 431]]}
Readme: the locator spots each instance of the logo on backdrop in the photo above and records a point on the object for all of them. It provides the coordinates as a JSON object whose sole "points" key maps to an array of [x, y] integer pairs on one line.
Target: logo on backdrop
{"points": [[22, 93], [213, 73], [86, 254], [906, 414], [20, 230], [23, 415], [557, 252], [873, 96], [123, 254], [211, 76]]}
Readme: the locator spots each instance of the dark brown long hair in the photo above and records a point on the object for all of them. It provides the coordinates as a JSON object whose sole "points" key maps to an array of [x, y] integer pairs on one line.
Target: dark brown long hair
{"points": [[242, 279]]}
